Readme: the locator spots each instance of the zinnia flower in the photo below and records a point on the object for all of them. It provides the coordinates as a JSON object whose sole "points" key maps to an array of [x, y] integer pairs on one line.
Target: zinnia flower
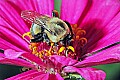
{"points": [[95, 24]]}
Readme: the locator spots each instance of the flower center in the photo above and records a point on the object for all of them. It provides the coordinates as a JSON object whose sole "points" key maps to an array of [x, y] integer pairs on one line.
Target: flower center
{"points": [[44, 51]]}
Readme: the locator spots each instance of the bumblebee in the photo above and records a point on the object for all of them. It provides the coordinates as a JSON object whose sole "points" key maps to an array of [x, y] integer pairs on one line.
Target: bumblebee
{"points": [[49, 29]]}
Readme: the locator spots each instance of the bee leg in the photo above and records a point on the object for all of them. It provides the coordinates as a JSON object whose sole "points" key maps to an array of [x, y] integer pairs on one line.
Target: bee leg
{"points": [[69, 39], [38, 35], [56, 44], [67, 44], [47, 40], [37, 38]]}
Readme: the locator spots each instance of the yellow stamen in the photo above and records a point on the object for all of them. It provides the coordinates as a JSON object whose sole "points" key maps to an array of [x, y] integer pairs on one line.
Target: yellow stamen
{"points": [[32, 45], [48, 53], [37, 54], [27, 34], [80, 32], [83, 41], [34, 50], [40, 54], [75, 25], [77, 37], [71, 48]]}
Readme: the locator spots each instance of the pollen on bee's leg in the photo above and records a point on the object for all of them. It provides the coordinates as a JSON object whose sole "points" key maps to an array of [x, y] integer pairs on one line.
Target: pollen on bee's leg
{"points": [[71, 48], [61, 50], [27, 34]]}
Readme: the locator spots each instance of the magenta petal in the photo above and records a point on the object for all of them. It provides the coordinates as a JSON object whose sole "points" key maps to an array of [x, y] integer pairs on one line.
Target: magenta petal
{"points": [[34, 59], [87, 73], [29, 75], [41, 6], [7, 45], [63, 60], [110, 55], [55, 77], [59, 77], [12, 54], [102, 21], [46, 6], [103, 10], [71, 10], [42, 77], [2, 55], [17, 62], [111, 34], [13, 38], [11, 18]]}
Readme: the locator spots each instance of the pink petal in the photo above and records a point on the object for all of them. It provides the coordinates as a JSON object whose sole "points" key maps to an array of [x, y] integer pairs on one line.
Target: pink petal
{"points": [[1, 54], [111, 32], [12, 54], [17, 62], [107, 56], [13, 38], [103, 10], [34, 59], [59, 77], [71, 10], [7, 45], [26, 75], [63, 60], [41, 6], [11, 18], [46, 6], [55, 77], [87, 73], [42, 77], [101, 13]]}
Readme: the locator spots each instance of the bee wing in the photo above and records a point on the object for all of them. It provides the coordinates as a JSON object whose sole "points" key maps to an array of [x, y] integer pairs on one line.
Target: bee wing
{"points": [[29, 16], [33, 17]]}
